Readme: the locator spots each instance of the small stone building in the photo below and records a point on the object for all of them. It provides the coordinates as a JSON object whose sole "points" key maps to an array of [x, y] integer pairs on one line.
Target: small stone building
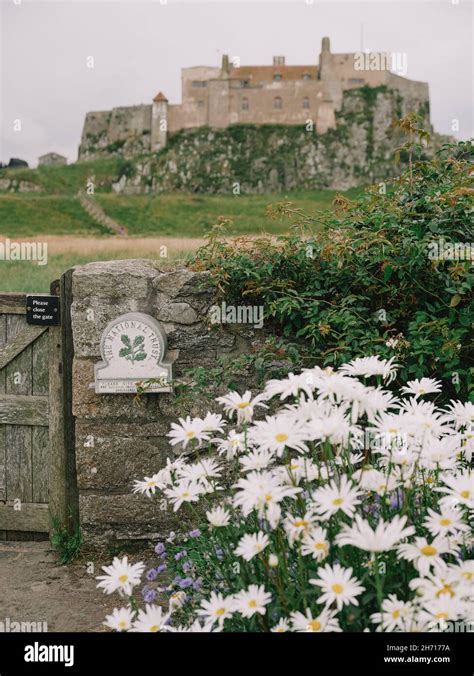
{"points": [[51, 159]]}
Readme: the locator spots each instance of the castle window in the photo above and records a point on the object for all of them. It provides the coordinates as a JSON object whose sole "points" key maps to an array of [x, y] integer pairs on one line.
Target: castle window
{"points": [[277, 77], [245, 104], [278, 103], [245, 83], [306, 76], [306, 102], [199, 83]]}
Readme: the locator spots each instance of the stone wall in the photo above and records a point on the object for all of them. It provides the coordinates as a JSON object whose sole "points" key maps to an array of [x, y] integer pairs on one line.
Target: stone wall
{"points": [[120, 438]]}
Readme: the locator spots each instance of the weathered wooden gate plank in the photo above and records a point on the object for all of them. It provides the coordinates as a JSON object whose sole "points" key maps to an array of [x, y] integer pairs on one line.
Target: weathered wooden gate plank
{"points": [[19, 470], [20, 341], [13, 303], [31, 517], [3, 340], [23, 410], [40, 463], [40, 365], [19, 369]]}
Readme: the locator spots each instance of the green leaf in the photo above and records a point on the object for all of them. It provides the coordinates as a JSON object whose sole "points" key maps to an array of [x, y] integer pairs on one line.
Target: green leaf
{"points": [[138, 341], [124, 351], [455, 300], [125, 340]]}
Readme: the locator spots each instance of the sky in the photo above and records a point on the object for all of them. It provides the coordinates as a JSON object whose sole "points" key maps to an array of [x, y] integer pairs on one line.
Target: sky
{"points": [[139, 47]]}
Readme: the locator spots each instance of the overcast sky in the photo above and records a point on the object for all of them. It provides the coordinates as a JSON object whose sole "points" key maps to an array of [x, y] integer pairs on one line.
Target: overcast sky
{"points": [[139, 48]]}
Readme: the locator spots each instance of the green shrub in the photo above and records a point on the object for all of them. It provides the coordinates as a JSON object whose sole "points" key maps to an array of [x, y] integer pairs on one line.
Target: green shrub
{"points": [[365, 283]]}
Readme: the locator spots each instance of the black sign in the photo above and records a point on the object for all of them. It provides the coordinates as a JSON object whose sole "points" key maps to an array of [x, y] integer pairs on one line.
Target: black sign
{"points": [[42, 310]]}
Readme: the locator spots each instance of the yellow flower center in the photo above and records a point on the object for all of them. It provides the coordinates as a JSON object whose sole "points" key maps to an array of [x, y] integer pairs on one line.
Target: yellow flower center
{"points": [[465, 494], [155, 627], [281, 437], [243, 404], [467, 575], [301, 523], [429, 550], [445, 590], [122, 624], [442, 616], [220, 611], [151, 483], [314, 625], [320, 545], [185, 494], [429, 480], [337, 501], [337, 588], [190, 434], [269, 497], [123, 579], [396, 614], [445, 522], [252, 603], [393, 430]]}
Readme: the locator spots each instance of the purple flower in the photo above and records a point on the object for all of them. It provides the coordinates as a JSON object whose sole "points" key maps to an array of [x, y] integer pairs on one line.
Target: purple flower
{"points": [[161, 568], [160, 548], [180, 555], [186, 582], [219, 553], [195, 533], [149, 595], [177, 579], [187, 566], [151, 575], [197, 584]]}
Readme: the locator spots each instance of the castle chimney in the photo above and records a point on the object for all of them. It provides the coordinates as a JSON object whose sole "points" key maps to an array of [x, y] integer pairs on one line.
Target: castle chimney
{"points": [[325, 45], [225, 63], [278, 60]]}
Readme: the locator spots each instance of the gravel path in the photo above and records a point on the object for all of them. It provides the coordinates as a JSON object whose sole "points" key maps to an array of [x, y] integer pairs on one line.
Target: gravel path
{"points": [[35, 588]]}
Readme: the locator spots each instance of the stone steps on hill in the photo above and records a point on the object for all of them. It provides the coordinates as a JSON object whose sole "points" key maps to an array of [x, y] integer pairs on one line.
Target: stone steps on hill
{"points": [[96, 212]]}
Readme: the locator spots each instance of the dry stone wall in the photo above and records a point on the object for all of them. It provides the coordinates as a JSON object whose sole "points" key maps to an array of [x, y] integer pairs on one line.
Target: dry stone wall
{"points": [[120, 438]]}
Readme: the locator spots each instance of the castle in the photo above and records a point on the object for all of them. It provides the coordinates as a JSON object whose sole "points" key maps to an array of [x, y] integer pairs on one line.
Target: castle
{"points": [[234, 94]]}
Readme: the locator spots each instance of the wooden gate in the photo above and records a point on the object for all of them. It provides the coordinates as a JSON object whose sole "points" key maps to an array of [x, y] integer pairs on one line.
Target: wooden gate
{"points": [[36, 430]]}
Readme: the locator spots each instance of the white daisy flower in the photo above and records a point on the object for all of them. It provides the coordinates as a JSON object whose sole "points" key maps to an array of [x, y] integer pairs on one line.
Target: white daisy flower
{"points": [[184, 491], [394, 616], [421, 386], [121, 619], [447, 522], [316, 544], [217, 609], [195, 628], [282, 627], [218, 517], [333, 497], [233, 444], [213, 422], [148, 486], [460, 487], [262, 491], [297, 527], [251, 544], [121, 576], [425, 555], [205, 469], [326, 621], [256, 460], [382, 539], [461, 413], [338, 586], [151, 619], [243, 406], [252, 600], [188, 430], [371, 366], [276, 433]]}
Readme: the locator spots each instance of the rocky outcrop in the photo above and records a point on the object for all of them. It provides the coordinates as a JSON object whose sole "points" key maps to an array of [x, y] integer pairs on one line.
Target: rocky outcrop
{"points": [[271, 158]]}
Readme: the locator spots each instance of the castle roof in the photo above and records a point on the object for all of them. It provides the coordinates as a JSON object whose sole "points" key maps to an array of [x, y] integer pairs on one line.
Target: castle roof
{"points": [[160, 97], [257, 74]]}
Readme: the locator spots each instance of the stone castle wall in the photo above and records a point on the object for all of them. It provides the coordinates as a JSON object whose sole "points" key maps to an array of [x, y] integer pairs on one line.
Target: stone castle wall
{"points": [[119, 439]]}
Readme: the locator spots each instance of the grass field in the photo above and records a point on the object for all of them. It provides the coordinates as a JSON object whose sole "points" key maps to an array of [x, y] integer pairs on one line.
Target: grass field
{"points": [[173, 215], [178, 221]]}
